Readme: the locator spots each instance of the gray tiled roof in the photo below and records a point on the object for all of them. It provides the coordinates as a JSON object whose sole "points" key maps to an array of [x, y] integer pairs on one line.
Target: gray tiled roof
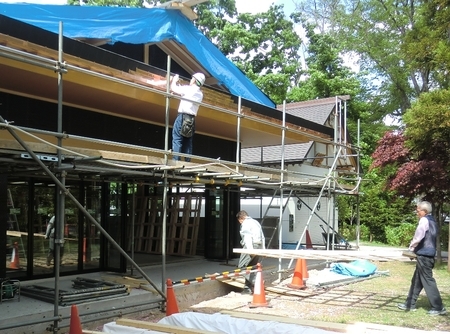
{"points": [[317, 111]]}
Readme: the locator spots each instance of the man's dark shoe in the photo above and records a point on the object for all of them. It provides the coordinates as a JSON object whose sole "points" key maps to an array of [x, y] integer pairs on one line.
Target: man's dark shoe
{"points": [[247, 291], [405, 307], [437, 312]]}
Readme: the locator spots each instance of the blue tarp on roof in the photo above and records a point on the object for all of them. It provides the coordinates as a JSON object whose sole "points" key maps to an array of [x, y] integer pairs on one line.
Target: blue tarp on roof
{"points": [[138, 26]]}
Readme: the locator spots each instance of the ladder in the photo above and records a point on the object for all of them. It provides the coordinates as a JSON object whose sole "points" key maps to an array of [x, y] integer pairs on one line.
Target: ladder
{"points": [[13, 228], [273, 229]]}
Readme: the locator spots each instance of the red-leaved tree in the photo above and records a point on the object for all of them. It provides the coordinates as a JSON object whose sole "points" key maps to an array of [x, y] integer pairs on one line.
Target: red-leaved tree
{"points": [[415, 175]]}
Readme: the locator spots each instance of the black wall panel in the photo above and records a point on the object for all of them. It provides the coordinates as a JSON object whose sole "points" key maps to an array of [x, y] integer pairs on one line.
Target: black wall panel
{"points": [[43, 115]]}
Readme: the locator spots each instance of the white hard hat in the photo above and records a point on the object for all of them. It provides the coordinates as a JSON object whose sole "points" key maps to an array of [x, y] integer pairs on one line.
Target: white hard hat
{"points": [[200, 77]]}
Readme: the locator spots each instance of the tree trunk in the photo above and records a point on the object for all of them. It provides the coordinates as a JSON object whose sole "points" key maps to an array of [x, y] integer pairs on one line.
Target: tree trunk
{"points": [[438, 216]]}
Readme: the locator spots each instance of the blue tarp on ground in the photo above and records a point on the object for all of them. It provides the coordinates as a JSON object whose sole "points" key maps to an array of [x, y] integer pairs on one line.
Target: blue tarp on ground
{"points": [[358, 268], [138, 26]]}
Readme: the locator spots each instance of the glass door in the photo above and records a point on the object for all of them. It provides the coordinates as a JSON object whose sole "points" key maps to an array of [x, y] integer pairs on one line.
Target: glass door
{"points": [[43, 213], [91, 235], [17, 241], [114, 227], [221, 226]]}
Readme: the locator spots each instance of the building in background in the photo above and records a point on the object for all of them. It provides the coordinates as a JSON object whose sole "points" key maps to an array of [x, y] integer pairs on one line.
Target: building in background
{"points": [[87, 135]]}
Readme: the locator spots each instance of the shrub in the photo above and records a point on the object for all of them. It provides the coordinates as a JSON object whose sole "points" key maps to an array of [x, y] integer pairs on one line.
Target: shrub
{"points": [[400, 235], [349, 232]]}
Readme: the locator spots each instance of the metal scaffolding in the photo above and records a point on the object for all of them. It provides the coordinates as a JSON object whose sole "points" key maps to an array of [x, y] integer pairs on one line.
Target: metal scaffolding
{"points": [[205, 171]]}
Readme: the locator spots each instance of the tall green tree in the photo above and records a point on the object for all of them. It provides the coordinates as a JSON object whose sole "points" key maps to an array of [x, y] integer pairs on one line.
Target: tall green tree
{"points": [[419, 157], [402, 44], [325, 74], [266, 47], [402, 47]]}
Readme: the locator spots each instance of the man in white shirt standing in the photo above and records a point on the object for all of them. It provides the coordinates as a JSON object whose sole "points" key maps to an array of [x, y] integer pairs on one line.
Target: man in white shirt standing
{"points": [[252, 237], [184, 125]]}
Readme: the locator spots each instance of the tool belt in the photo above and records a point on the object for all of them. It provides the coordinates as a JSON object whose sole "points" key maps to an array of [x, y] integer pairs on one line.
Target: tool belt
{"points": [[187, 126]]}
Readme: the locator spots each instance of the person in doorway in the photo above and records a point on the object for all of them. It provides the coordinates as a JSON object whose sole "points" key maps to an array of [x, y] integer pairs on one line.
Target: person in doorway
{"points": [[252, 237], [50, 235], [184, 126], [423, 245]]}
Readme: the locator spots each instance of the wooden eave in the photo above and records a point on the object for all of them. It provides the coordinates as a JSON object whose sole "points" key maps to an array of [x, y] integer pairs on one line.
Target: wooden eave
{"points": [[99, 88]]}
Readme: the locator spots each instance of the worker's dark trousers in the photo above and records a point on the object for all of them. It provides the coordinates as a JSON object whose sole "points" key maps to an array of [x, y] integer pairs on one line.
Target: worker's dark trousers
{"points": [[423, 279]]}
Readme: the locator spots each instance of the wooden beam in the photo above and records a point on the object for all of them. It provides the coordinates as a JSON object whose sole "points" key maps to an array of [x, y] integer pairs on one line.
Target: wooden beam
{"points": [[333, 255], [160, 327]]}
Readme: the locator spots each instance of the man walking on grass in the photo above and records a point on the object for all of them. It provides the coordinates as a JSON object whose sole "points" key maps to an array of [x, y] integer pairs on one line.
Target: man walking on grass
{"points": [[424, 246]]}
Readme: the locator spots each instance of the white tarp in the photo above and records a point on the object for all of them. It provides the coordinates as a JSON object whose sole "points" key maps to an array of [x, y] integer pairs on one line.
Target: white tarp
{"points": [[220, 323]]}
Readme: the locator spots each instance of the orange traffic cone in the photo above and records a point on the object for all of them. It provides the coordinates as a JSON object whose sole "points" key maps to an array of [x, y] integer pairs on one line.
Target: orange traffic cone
{"points": [[308, 241], [75, 323], [297, 279], [171, 305], [259, 295], [305, 273], [15, 257]]}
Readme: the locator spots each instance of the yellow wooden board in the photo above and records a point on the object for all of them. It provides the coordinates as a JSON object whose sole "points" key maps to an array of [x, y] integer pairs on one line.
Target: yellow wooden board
{"points": [[160, 327], [332, 255]]}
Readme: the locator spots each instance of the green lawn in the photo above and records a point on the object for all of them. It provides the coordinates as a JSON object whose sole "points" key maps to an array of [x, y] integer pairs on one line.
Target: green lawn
{"points": [[379, 296]]}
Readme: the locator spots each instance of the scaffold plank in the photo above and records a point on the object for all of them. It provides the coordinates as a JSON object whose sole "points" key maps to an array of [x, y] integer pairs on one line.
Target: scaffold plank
{"points": [[331, 255]]}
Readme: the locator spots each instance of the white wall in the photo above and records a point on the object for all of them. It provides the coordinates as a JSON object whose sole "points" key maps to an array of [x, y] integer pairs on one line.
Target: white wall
{"points": [[256, 209]]}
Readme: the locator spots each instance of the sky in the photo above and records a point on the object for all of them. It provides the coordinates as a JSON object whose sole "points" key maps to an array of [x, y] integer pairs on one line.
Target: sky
{"points": [[248, 6], [243, 6]]}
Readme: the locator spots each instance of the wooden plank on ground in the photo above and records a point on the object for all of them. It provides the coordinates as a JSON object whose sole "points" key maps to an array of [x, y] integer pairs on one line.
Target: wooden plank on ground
{"points": [[291, 292], [160, 327], [148, 288], [237, 282], [128, 281]]}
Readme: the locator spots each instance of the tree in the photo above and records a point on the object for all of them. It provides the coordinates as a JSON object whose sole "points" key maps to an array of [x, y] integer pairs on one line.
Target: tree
{"points": [[428, 134], [325, 74], [266, 48], [418, 158], [213, 16], [403, 45]]}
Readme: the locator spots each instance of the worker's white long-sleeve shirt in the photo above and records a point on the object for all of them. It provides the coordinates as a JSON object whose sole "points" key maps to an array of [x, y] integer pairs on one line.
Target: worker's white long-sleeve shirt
{"points": [[191, 92], [252, 234]]}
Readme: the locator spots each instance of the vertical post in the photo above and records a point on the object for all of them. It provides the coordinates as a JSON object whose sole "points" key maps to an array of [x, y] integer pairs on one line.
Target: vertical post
{"points": [[345, 122], [60, 208], [337, 140], [357, 195], [280, 220], [133, 213], [166, 139], [330, 206], [165, 183], [238, 133]]}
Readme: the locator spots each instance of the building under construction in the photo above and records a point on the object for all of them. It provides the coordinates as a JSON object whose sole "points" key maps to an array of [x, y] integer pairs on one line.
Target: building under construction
{"points": [[87, 137]]}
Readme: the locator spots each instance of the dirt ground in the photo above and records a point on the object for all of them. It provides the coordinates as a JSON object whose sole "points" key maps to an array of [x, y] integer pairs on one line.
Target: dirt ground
{"points": [[327, 298], [282, 301]]}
